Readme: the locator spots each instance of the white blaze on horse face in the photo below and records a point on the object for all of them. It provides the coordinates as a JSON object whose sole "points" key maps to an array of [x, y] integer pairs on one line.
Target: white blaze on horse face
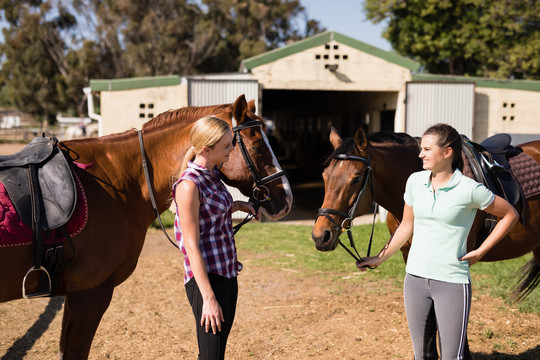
{"points": [[284, 180]]}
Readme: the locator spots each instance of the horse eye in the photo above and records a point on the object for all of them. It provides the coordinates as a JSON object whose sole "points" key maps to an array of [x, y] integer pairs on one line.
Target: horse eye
{"points": [[256, 150], [356, 180]]}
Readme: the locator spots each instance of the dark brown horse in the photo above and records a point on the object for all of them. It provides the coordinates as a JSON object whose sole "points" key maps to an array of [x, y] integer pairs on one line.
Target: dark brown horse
{"points": [[391, 158], [120, 210]]}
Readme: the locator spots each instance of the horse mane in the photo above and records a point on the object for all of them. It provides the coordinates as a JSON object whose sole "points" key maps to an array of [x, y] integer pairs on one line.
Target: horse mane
{"points": [[385, 138], [188, 113]]}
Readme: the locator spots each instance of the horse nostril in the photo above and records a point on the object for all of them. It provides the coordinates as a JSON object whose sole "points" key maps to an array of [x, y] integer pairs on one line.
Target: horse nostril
{"points": [[326, 236]]}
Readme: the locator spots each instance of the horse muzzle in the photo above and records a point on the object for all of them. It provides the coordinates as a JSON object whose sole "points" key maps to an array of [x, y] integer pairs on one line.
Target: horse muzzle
{"points": [[325, 239]]}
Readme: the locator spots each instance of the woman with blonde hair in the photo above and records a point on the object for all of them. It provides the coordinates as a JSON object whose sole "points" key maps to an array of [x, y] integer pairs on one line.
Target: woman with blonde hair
{"points": [[203, 229]]}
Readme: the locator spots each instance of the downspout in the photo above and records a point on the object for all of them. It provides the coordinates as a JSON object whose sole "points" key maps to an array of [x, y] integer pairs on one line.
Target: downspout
{"points": [[91, 114]]}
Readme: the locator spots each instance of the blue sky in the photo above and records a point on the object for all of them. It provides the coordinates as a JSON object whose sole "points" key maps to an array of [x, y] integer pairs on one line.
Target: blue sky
{"points": [[347, 18]]}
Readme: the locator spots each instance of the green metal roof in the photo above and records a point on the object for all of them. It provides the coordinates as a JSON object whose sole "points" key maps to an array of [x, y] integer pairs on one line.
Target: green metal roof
{"points": [[322, 39], [133, 83], [529, 85]]}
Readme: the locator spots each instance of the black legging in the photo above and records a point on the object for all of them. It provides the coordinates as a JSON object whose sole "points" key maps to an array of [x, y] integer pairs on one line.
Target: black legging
{"points": [[212, 347]]}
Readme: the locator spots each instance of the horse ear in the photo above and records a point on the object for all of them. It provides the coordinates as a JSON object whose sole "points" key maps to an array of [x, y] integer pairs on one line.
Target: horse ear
{"points": [[360, 138], [240, 109], [251, 106], [335, 138]]}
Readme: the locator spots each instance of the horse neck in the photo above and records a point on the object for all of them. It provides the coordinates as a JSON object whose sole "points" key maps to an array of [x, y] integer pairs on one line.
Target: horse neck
{"points": [[165, 150], [392, 166]]}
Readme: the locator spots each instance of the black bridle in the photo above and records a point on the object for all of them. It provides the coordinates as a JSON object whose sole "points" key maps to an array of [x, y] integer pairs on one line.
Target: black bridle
{"points": [[260, 192], [347, 222]]}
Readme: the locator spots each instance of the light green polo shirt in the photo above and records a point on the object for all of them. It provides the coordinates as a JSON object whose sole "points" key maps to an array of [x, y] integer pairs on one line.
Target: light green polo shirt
{"points": [[442, 221]]}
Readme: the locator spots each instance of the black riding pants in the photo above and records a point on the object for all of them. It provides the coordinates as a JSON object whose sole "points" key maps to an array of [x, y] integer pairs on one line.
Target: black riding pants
{"points": [[212, 347]]}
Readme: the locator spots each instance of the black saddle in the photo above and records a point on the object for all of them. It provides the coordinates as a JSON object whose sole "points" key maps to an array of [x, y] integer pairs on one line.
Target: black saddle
{"points": [[489, 165], [55, 181], [40, 184]]}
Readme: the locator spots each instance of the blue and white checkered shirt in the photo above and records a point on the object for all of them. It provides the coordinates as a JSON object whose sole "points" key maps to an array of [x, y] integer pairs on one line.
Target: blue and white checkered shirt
{"points": [[216, 239]]}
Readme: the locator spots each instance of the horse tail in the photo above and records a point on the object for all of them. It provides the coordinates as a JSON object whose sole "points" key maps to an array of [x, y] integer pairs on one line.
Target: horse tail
{"points": [[529, 278]]}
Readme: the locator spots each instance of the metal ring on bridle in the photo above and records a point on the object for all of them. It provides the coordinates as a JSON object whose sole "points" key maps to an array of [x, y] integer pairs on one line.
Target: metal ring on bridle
{"points": [[257, 192], [349, 224]]}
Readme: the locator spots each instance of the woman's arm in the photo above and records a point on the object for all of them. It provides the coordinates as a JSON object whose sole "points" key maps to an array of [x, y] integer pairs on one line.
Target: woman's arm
{"points": [[508, 217], [187, 198], [400, 237]]}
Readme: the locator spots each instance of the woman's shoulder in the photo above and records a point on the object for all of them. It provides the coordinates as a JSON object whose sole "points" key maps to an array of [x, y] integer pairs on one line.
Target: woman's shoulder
{"points": [[418, 176]]}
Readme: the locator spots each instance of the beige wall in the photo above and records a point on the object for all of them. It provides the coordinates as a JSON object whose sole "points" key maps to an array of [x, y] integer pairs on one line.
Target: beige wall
{"points": [[121, 110], [506, 111], [359, 72]]}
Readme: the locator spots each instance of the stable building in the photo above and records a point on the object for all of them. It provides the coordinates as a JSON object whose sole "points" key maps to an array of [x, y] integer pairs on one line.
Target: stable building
{"points": [[329, 80]]}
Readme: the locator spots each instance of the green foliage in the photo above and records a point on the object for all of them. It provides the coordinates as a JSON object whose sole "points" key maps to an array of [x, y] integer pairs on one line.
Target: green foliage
{"points": [[290, 247], [464, 37], [53, 48]]}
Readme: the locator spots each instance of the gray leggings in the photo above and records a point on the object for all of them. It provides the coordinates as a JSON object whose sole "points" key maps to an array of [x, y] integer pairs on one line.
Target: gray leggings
{"points": [[433, 305]]}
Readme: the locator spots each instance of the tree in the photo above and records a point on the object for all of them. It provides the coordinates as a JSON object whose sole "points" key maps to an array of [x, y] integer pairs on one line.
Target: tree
{"points": [[249, 28], [29, 71], [53, 48], [490, 38]]}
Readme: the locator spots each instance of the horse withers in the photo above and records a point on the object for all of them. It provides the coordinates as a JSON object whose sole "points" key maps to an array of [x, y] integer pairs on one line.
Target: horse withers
{"points": [[106, 250], [392, 158]]}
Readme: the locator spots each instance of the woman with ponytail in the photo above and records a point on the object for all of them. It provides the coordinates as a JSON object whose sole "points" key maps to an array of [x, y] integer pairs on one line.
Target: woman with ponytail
{"points": [[203, 229], [440, 207]]}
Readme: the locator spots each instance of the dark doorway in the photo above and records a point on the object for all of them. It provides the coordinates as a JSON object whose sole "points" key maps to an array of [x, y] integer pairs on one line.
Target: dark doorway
{"points": [[387, 120]]}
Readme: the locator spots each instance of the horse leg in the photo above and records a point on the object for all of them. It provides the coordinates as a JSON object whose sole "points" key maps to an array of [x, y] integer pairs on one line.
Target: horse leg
{"points": [[82, 313]]}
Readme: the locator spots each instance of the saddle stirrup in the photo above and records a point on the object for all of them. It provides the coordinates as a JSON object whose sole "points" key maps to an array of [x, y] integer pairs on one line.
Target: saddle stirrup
{"points": [[43, 293]]}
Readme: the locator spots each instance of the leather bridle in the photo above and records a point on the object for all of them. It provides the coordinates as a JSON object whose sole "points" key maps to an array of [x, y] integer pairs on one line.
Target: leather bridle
{"points": [[347, 223], [260, 192]]}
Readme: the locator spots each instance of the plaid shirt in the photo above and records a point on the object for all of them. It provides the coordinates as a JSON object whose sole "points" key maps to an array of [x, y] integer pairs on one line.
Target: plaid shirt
{"points": [[216, 239]]}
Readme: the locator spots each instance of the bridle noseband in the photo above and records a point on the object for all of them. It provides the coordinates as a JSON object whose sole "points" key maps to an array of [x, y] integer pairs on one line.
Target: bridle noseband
{"points": [[347, 222]]}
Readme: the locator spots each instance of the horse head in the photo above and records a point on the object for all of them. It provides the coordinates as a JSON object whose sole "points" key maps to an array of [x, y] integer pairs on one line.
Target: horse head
{"points": [[253, 167], [348, 189]]}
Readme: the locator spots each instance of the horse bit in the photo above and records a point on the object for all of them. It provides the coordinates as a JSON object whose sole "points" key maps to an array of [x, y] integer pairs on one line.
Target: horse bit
{"points": [[260, 191], [347, 222]]}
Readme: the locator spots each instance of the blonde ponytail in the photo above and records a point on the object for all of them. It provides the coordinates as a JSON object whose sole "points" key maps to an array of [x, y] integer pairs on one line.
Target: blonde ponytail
{"points": [[206, 131]]}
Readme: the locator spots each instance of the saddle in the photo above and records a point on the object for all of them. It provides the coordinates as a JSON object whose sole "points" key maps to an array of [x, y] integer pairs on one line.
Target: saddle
{"points": [[40, 184], [489, 165]]}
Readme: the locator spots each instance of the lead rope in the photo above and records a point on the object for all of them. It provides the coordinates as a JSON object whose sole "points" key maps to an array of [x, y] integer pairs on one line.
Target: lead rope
{"points": [[357, 257], [149, 185]]}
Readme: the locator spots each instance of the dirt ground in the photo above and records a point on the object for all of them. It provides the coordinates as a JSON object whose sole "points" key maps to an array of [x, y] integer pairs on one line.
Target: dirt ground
{"points": [[282, 314]]}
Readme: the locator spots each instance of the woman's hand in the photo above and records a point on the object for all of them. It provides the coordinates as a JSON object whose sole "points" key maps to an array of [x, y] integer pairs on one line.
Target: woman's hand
{"points": [[245, 207], [372, 261], [472, 257], [212, 315]]}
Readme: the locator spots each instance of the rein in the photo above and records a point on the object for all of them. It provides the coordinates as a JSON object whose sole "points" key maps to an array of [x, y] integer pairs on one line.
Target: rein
{"points": [[347, 222], [149, 185]]}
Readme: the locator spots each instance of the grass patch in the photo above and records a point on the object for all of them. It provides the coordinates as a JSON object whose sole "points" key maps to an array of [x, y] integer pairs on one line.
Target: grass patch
{"points": [[167, 218], [290, 246]]}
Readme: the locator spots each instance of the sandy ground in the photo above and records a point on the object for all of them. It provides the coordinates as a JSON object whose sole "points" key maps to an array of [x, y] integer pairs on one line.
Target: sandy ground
{"points": [[282, 314]]}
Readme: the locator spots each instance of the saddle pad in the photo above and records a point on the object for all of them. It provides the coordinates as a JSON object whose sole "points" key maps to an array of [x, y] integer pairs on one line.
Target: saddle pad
{"points": [[13, 232], [527, 172]]}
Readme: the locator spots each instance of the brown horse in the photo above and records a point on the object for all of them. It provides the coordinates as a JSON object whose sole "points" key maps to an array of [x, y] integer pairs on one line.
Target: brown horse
{"points": [[120, 209], [375, 167]]}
